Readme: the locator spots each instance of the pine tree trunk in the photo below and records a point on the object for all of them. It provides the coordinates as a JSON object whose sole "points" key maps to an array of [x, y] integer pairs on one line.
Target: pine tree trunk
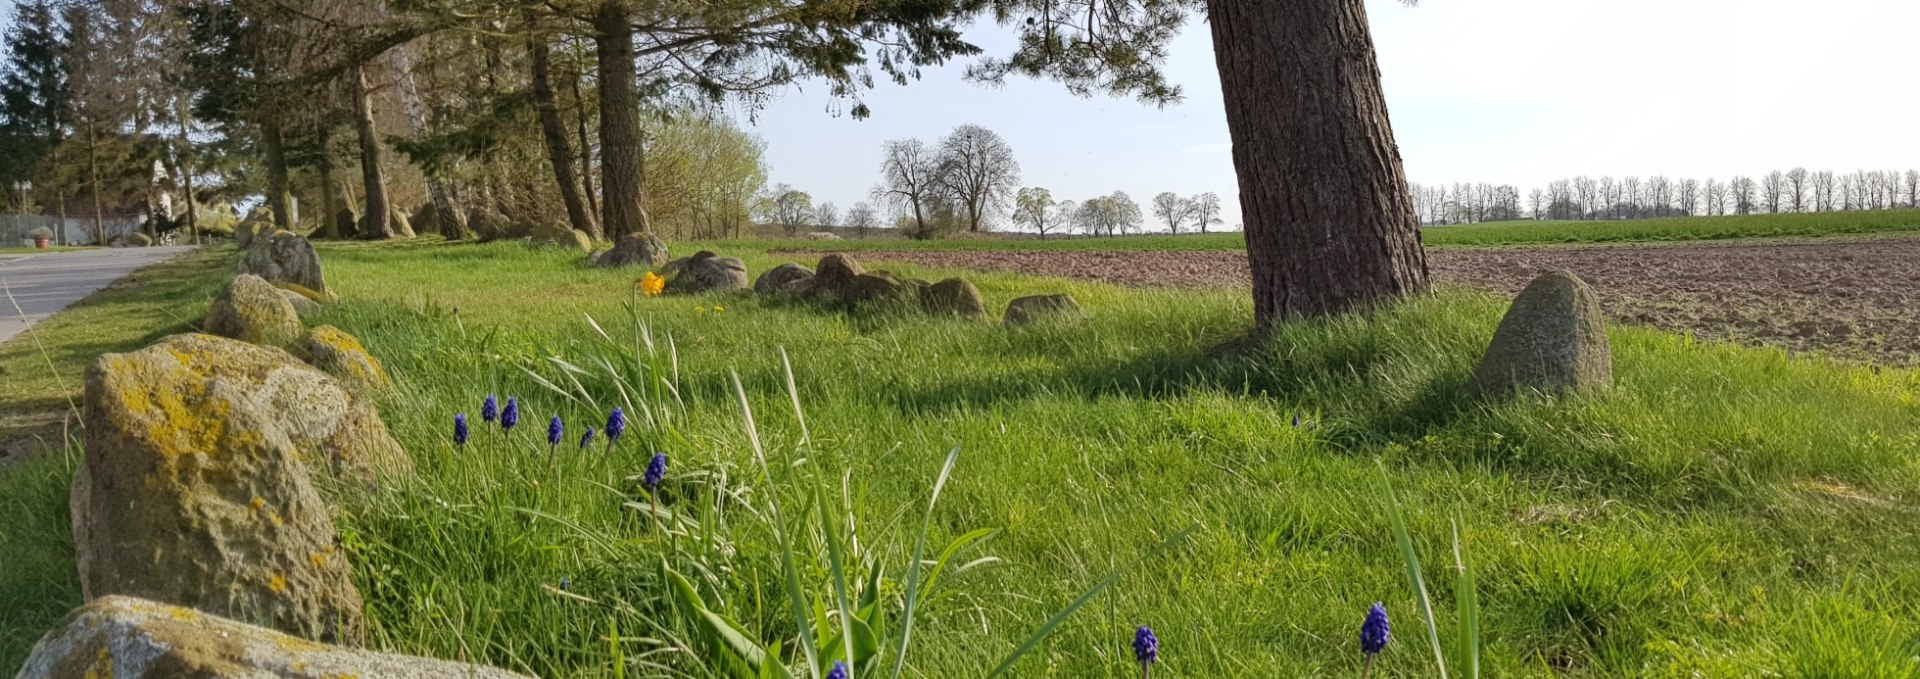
{"points": [[1330, 226], [450, 217], [93, 181], [586, 147], [329, 190], [559, 151], [279, 196], [623, 210], [374, 223]]}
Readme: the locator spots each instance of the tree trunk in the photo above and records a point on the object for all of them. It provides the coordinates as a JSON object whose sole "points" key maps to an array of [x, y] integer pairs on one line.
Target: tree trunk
{"points": [[1330, 226], [279, 196], [451, 218], [586, 146], [329, 191], [623, 209], [375, 221], [559, 152], [93, 181]]}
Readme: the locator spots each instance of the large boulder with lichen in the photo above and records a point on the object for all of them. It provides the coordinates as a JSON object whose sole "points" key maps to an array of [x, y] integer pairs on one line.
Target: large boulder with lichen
{"points": [[635, 249], [286, 257], [786, 279], [341, 355], [330, 424], [835, 274], [1036, 308], [954, 297], [873, 289], [130, 240], [195, 490], [708, 272], [130, 638], [1553, 339], [250, 309]]}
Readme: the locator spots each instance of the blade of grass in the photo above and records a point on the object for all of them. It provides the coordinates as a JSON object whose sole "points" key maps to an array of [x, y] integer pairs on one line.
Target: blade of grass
{"points": [[1054, 622], [1469, 607], [796, 597], [913, 568], [1413, 568]]}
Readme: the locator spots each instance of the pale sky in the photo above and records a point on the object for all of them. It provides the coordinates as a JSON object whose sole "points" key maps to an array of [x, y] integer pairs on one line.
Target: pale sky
{"points": [[1503, 91]]}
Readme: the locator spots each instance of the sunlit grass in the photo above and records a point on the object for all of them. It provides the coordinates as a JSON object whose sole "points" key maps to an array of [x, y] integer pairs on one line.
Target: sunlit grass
{"points": [[1724, 512]]}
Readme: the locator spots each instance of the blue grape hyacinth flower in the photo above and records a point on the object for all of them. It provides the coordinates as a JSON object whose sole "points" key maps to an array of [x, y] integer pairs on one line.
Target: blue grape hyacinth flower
{"points": [[490, 409], [1375, 632], [1146, 649], [839, 671], [586, 438], [616, 425], [510, 415], [656, 470], [555, 430], [460, 429]]}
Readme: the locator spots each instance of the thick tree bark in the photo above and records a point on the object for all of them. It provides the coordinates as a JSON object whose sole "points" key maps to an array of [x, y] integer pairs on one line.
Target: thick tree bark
{"points": [[279, 194], [1330, 226], [93, 182], [622, 205], [329, 190], [586, 146], [559, 151], [375, 222]]}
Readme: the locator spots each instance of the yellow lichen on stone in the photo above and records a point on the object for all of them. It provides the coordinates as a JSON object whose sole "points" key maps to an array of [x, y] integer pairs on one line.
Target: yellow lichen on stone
{"points": [[317, 559], [258, 503], [334, 351], [277, 583]]}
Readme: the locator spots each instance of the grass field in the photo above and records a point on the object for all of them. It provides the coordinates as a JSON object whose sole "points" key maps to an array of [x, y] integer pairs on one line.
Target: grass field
{"points": [[1490, 234], [1725, 512]]}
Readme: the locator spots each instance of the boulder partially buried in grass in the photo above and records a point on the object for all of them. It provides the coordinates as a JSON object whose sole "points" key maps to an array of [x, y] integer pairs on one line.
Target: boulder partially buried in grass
{"points": [[1036, 308], [835, 274], [707, 272], [554, 234], [954, 297], [635, 249], [286, 257], [250, 309], [193, 490], [1552, 339], [340, 354], [786, 279], [130, 638]]}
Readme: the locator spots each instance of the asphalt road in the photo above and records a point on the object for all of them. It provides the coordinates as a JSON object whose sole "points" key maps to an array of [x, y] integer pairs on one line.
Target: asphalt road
{"points": [[46, 283]]}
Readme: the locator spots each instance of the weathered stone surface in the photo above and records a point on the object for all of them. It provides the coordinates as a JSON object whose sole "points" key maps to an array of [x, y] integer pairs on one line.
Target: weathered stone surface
{"points": [[427, 219], [346, 223], [707, 272], [328, 423], [1034, 308], [835, 273], [130, 240], [786, 279], [954, 297], [250, 309], [555, 234], [635, 249], [402, 227], [244, 232], [487, 225], [302, 304], [130, 638], [340, 354], [193, 491], [1553, 338], [286, 257], [875, 288]]}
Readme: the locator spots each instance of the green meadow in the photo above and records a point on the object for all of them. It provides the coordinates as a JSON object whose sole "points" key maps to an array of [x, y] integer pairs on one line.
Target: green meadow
{"points": [[1725, 511]]}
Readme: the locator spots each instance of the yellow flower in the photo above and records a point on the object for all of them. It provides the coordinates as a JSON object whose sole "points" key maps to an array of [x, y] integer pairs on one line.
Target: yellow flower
{"points": [[699, 310], [651, 284], [719, 309]]}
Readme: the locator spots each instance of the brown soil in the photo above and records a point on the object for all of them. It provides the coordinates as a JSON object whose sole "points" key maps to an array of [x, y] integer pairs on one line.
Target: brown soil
{"points": [[1858, 299]]}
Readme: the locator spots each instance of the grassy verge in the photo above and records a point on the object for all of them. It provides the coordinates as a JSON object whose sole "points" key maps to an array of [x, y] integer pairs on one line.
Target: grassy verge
{"points": [[18, 250], [1679, 229], [1726, 512]]}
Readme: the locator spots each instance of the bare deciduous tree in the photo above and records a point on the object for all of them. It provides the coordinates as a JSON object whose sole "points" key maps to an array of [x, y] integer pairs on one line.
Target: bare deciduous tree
{"points": [[980, 172], [910, 180], [861, 218], [826, 216], [1797, 189], [1170, 208], [1035, 207], [1773, 188]]}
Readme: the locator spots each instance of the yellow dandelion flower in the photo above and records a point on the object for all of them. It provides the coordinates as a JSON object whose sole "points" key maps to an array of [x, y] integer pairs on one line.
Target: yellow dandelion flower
{"points": [[651, 284], [718, 309], [699, 310]]}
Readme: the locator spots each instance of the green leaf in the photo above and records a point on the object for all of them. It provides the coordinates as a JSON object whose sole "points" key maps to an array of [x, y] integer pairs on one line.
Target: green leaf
{"points": [[1469, 607], [1412, 561], [913, 568], [1054, 622]]}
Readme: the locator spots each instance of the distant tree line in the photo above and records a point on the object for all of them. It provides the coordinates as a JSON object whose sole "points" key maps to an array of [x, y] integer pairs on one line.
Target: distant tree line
{"points": [[1586, 198]]}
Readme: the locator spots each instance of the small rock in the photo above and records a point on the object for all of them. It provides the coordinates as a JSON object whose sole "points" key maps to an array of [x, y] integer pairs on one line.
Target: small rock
{"points": [[835, 273], [1552, 339], [303, 305], [786, 279], [340, 354], [707, 272], [127, 638], [955, 297], [487, 225], [286, 257], [822, 235], [636, 249], [875, 288], [251, 310], [1035, 308]]}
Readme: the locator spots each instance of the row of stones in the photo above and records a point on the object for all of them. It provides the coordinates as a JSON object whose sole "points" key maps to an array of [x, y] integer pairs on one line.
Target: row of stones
{"points": [[203, 548]]}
